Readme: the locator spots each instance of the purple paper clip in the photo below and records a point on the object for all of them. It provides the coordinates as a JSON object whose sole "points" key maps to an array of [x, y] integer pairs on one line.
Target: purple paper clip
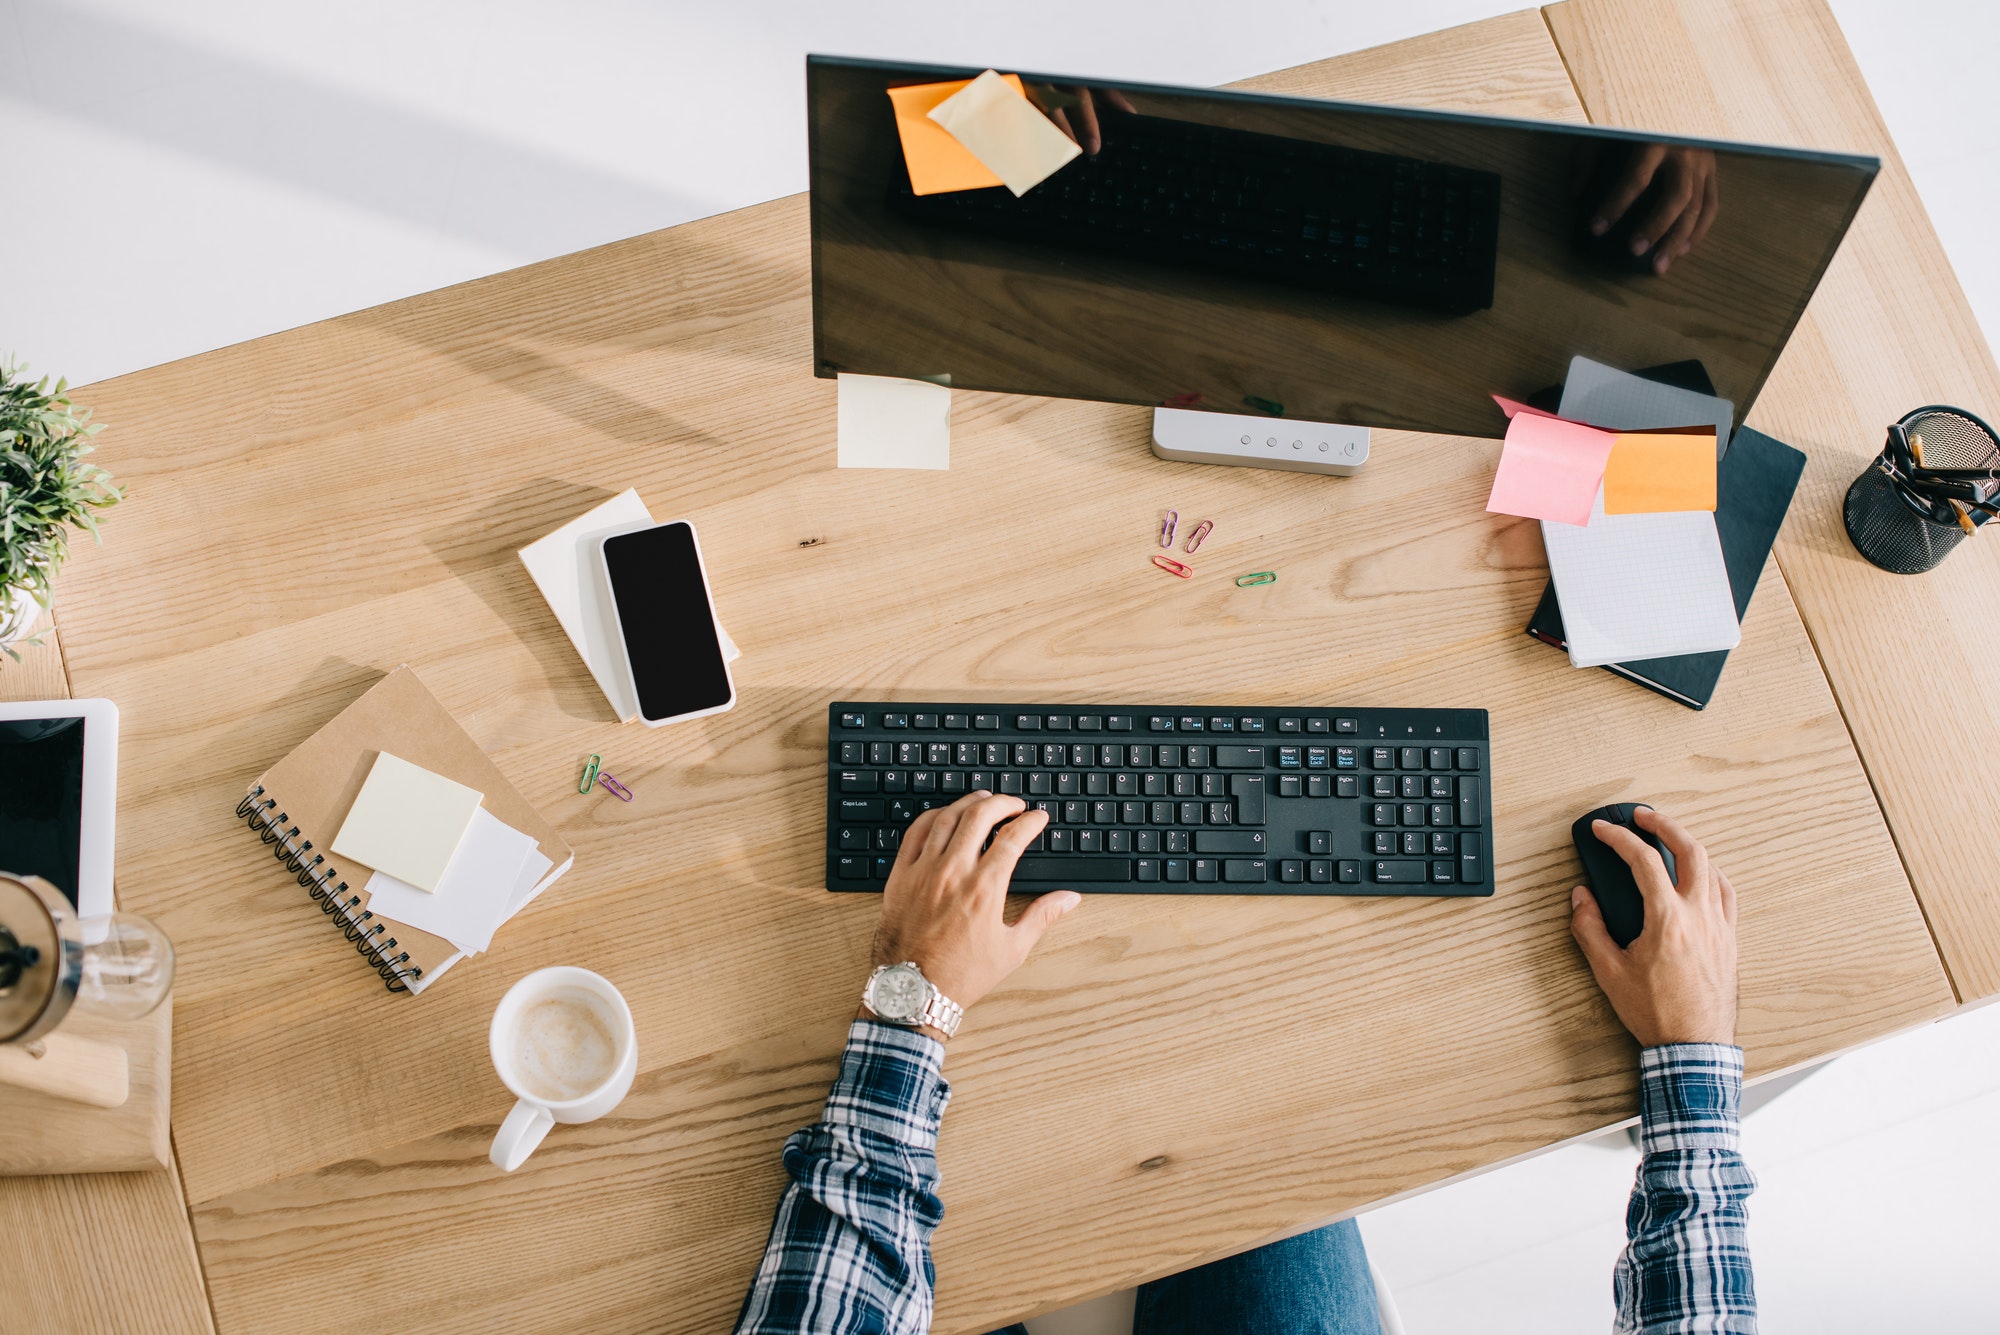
{"points": [[611, 785]]}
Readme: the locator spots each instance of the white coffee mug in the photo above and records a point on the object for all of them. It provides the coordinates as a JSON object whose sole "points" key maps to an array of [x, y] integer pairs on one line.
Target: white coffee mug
{"points": [[563, 1041]]}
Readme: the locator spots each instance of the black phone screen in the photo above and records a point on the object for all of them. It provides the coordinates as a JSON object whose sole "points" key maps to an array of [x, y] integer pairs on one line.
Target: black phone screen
{"points": [[41, 799], [664, 615]]}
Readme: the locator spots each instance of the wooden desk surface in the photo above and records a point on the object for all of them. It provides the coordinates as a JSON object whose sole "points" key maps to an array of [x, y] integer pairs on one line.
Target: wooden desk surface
{"points": [[1914, 660], [313, 508]]}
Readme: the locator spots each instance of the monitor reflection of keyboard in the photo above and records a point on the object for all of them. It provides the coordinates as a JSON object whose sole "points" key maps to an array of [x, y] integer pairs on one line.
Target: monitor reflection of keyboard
{"points": [[1310, 215], [1176, 799]]}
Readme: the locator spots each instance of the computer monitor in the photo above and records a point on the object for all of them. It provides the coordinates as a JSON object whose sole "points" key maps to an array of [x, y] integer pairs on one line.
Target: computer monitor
{"points": [[1326, 261]]}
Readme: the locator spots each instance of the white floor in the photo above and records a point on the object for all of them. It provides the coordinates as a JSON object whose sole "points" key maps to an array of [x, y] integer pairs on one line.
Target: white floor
{"points": [[183, 174]]}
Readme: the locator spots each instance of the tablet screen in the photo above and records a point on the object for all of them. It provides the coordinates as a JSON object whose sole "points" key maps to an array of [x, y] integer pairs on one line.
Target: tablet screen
{"points": [[41, 799]]}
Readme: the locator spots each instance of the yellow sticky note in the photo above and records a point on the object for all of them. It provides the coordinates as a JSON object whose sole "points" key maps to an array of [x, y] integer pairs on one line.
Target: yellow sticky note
{"points": [[1653, 472], [938, 163], [1003, 129]]}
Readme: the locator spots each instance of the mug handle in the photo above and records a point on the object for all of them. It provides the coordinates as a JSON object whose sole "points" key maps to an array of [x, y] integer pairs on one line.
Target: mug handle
{"points": [[520, 1134]]}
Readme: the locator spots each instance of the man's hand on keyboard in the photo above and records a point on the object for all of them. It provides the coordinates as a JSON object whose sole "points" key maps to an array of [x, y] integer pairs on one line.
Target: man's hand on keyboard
{"points": [[943, 904], [1676, 982]]}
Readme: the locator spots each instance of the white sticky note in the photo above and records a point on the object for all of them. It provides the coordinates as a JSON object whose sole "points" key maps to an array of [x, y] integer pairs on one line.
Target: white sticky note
{"points": [[891, 423], [1641, 586], [476, 894], [1003, 129], [407, 821]]}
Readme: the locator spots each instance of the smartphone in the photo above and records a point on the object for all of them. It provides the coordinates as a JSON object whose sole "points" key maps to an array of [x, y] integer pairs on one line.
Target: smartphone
{"points": [[666, 623]]}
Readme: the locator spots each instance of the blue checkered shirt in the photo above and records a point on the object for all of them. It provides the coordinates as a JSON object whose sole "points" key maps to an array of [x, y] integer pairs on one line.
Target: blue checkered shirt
{"points": [[849, 1252]]}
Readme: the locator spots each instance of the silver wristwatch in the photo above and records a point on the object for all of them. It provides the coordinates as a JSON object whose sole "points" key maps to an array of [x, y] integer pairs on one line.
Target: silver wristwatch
{"points": [[900, 994]]}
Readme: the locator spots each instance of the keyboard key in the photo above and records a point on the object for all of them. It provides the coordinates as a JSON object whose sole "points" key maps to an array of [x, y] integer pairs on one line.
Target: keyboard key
{"points": [[1382, 785], [1069, 783], [1132, 813], [859, 781], [905, 809], [1097, 784], [1349, 872], [1111, 757], [1442, 872], [895, 720], [927, 721], [1248, 790], [954, 781], [1347, 725], [853, 753], [881, 753], [1081, 870], [1440, 757], [1010, 782], [1198, 756], [1090, 723], [1414, 813], [1319, 871], [1292, 871], [1169, 756], [1146, 841], [1149, 869], [923, 780], [1061, 723], [1177, 841], [1441, 844], [1289, 785], [853, 839], [1318, 757], [1410, 785], [1177, 869], [1025, 723], [1288, 725], [1062, 841], [936, 755], [1221, 813], [1229, 841], [1118, 841], [909, 753], [1076, 813], [1207, 869], [1381, 757], [895, 781], [852, 720], [1090, 841], [1319, 841], [1468, 757], [1163, 813], [1119, 723], [1440, 813], [1104, 813], [1413, 844], [1041, 783], [957, 721], [1319, 725], [854, 868], [1160, 723], [1441, 787], [1347, 785], [1320, 785], [1468, 801], [860, 808], [1401, 873], [1471, 867], [1243, 871], [1192, 724], [1413, 757], [1141, 756], [1346, 757], [1190, 813], [1289, 757], [1125, 784], [1247, 724], [888, 838], [1222, 725]]}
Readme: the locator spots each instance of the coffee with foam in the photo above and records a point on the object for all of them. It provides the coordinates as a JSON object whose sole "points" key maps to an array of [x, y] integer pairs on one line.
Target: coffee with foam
{"points": [[565, 1045]]}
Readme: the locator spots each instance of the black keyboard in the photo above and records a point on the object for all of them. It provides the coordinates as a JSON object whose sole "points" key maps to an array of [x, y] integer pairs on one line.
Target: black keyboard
{"points": [[1175, 799], [1309, 215]]}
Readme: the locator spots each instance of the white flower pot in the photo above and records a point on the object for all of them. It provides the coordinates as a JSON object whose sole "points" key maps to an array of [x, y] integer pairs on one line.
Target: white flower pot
{"points": [[19, 613]]}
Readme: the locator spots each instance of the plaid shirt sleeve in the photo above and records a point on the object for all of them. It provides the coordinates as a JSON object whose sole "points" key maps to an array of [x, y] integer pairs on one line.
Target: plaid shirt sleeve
{"points": [[1686, 1265], [850, 1248]]}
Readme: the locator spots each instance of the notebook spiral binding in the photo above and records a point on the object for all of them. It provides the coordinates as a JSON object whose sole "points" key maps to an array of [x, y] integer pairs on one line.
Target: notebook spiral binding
{"points": [[370, 940]]}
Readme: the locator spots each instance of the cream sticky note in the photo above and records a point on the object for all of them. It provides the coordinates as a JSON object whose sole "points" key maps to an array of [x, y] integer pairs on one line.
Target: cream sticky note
{"points": [[1016, 142], [885, 422], [1549, 469], [938, 163], [1653, 472], [406, 822]]}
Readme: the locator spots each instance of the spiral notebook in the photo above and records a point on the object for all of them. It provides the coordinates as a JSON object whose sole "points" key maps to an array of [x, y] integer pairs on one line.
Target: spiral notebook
{"points": [[298, 804]]}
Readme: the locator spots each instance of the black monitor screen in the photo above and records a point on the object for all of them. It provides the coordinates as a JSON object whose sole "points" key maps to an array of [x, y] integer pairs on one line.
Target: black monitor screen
{"points": [[41, 799], [1312, 260]]}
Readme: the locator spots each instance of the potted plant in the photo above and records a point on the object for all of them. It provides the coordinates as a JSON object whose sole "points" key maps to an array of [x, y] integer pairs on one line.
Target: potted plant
{"points": [[46, 489]]}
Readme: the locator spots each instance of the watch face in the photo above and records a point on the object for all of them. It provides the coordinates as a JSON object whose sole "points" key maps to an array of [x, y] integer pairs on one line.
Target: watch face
{"points": [[899, 993]]}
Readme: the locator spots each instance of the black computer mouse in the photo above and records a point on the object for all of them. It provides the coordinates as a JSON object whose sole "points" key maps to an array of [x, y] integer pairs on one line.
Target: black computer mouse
{"points": [[1608, 874]]}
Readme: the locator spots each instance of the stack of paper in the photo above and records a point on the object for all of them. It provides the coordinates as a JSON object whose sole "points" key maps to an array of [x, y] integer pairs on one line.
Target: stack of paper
{"points": [[443, 863], [1649, 582]]}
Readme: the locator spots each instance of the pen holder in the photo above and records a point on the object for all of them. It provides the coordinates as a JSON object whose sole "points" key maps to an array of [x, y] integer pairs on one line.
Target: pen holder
{"points": [[1897, 521]]}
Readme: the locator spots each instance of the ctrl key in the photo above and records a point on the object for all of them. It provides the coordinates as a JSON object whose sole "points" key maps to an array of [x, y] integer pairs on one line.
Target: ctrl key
{"points": [[1404, 872], [851, 868]]}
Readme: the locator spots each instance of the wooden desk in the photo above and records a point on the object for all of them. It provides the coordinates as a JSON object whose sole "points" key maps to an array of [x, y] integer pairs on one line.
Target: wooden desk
{"points": [[1914, 661], [1167, 1080]]}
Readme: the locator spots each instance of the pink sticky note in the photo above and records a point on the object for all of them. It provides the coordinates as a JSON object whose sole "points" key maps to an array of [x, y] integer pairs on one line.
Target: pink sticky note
{"points": [[1550, 469], [1512, 407]]}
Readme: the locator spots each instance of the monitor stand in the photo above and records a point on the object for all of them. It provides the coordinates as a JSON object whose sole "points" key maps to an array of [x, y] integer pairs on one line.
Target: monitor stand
{"points": [[1258, 442]]}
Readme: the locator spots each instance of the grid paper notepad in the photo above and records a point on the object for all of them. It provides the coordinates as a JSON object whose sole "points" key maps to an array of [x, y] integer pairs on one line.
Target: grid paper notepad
{"points": [[1641, 586]]}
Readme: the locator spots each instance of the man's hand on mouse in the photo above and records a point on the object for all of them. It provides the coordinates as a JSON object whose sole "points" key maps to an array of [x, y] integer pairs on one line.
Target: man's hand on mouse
{"points": [[943, 904], [1676, 982]]}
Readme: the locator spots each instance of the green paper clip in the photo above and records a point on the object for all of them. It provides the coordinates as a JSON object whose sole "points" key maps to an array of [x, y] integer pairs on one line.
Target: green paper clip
{"points": [[590, 773], [1257, 577], [1263, 405]]}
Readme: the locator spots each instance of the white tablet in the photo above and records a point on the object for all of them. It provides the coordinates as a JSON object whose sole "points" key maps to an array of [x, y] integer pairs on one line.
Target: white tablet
{"points": [[59, 796]]}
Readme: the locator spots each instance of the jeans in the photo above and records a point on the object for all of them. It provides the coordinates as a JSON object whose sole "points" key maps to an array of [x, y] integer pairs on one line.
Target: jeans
{"points": [[1314, 1284]]}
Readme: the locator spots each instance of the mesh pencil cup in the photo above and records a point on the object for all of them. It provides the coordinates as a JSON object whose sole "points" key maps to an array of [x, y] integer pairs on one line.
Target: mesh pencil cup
{"points": [[1899, 512]]}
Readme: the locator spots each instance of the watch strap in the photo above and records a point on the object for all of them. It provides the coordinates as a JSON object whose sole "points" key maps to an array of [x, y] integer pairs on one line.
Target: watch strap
{"points": [[942, 1013]]}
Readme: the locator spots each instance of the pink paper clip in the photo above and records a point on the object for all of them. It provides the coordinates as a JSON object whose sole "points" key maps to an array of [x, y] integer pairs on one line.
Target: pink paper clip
{"points": [[1201, 531], [611, 785], [1167, 528], [1173, 567]]}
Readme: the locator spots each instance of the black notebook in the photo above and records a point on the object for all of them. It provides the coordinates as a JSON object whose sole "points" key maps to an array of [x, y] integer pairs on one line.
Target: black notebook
{"points": [[1753, 489]]}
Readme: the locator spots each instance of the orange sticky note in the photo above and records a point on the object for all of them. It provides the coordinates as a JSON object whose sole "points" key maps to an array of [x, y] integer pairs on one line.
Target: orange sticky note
{"points": [[938, 163], [1650, 472]]}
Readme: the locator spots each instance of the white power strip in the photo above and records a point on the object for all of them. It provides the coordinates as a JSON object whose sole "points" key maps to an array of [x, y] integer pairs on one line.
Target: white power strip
{"points": [[1258, 442]]}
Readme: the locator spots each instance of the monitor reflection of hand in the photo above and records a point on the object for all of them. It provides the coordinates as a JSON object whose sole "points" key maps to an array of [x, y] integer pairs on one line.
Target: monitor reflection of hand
{"points": [[1670, 192], [1079, 119]]}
